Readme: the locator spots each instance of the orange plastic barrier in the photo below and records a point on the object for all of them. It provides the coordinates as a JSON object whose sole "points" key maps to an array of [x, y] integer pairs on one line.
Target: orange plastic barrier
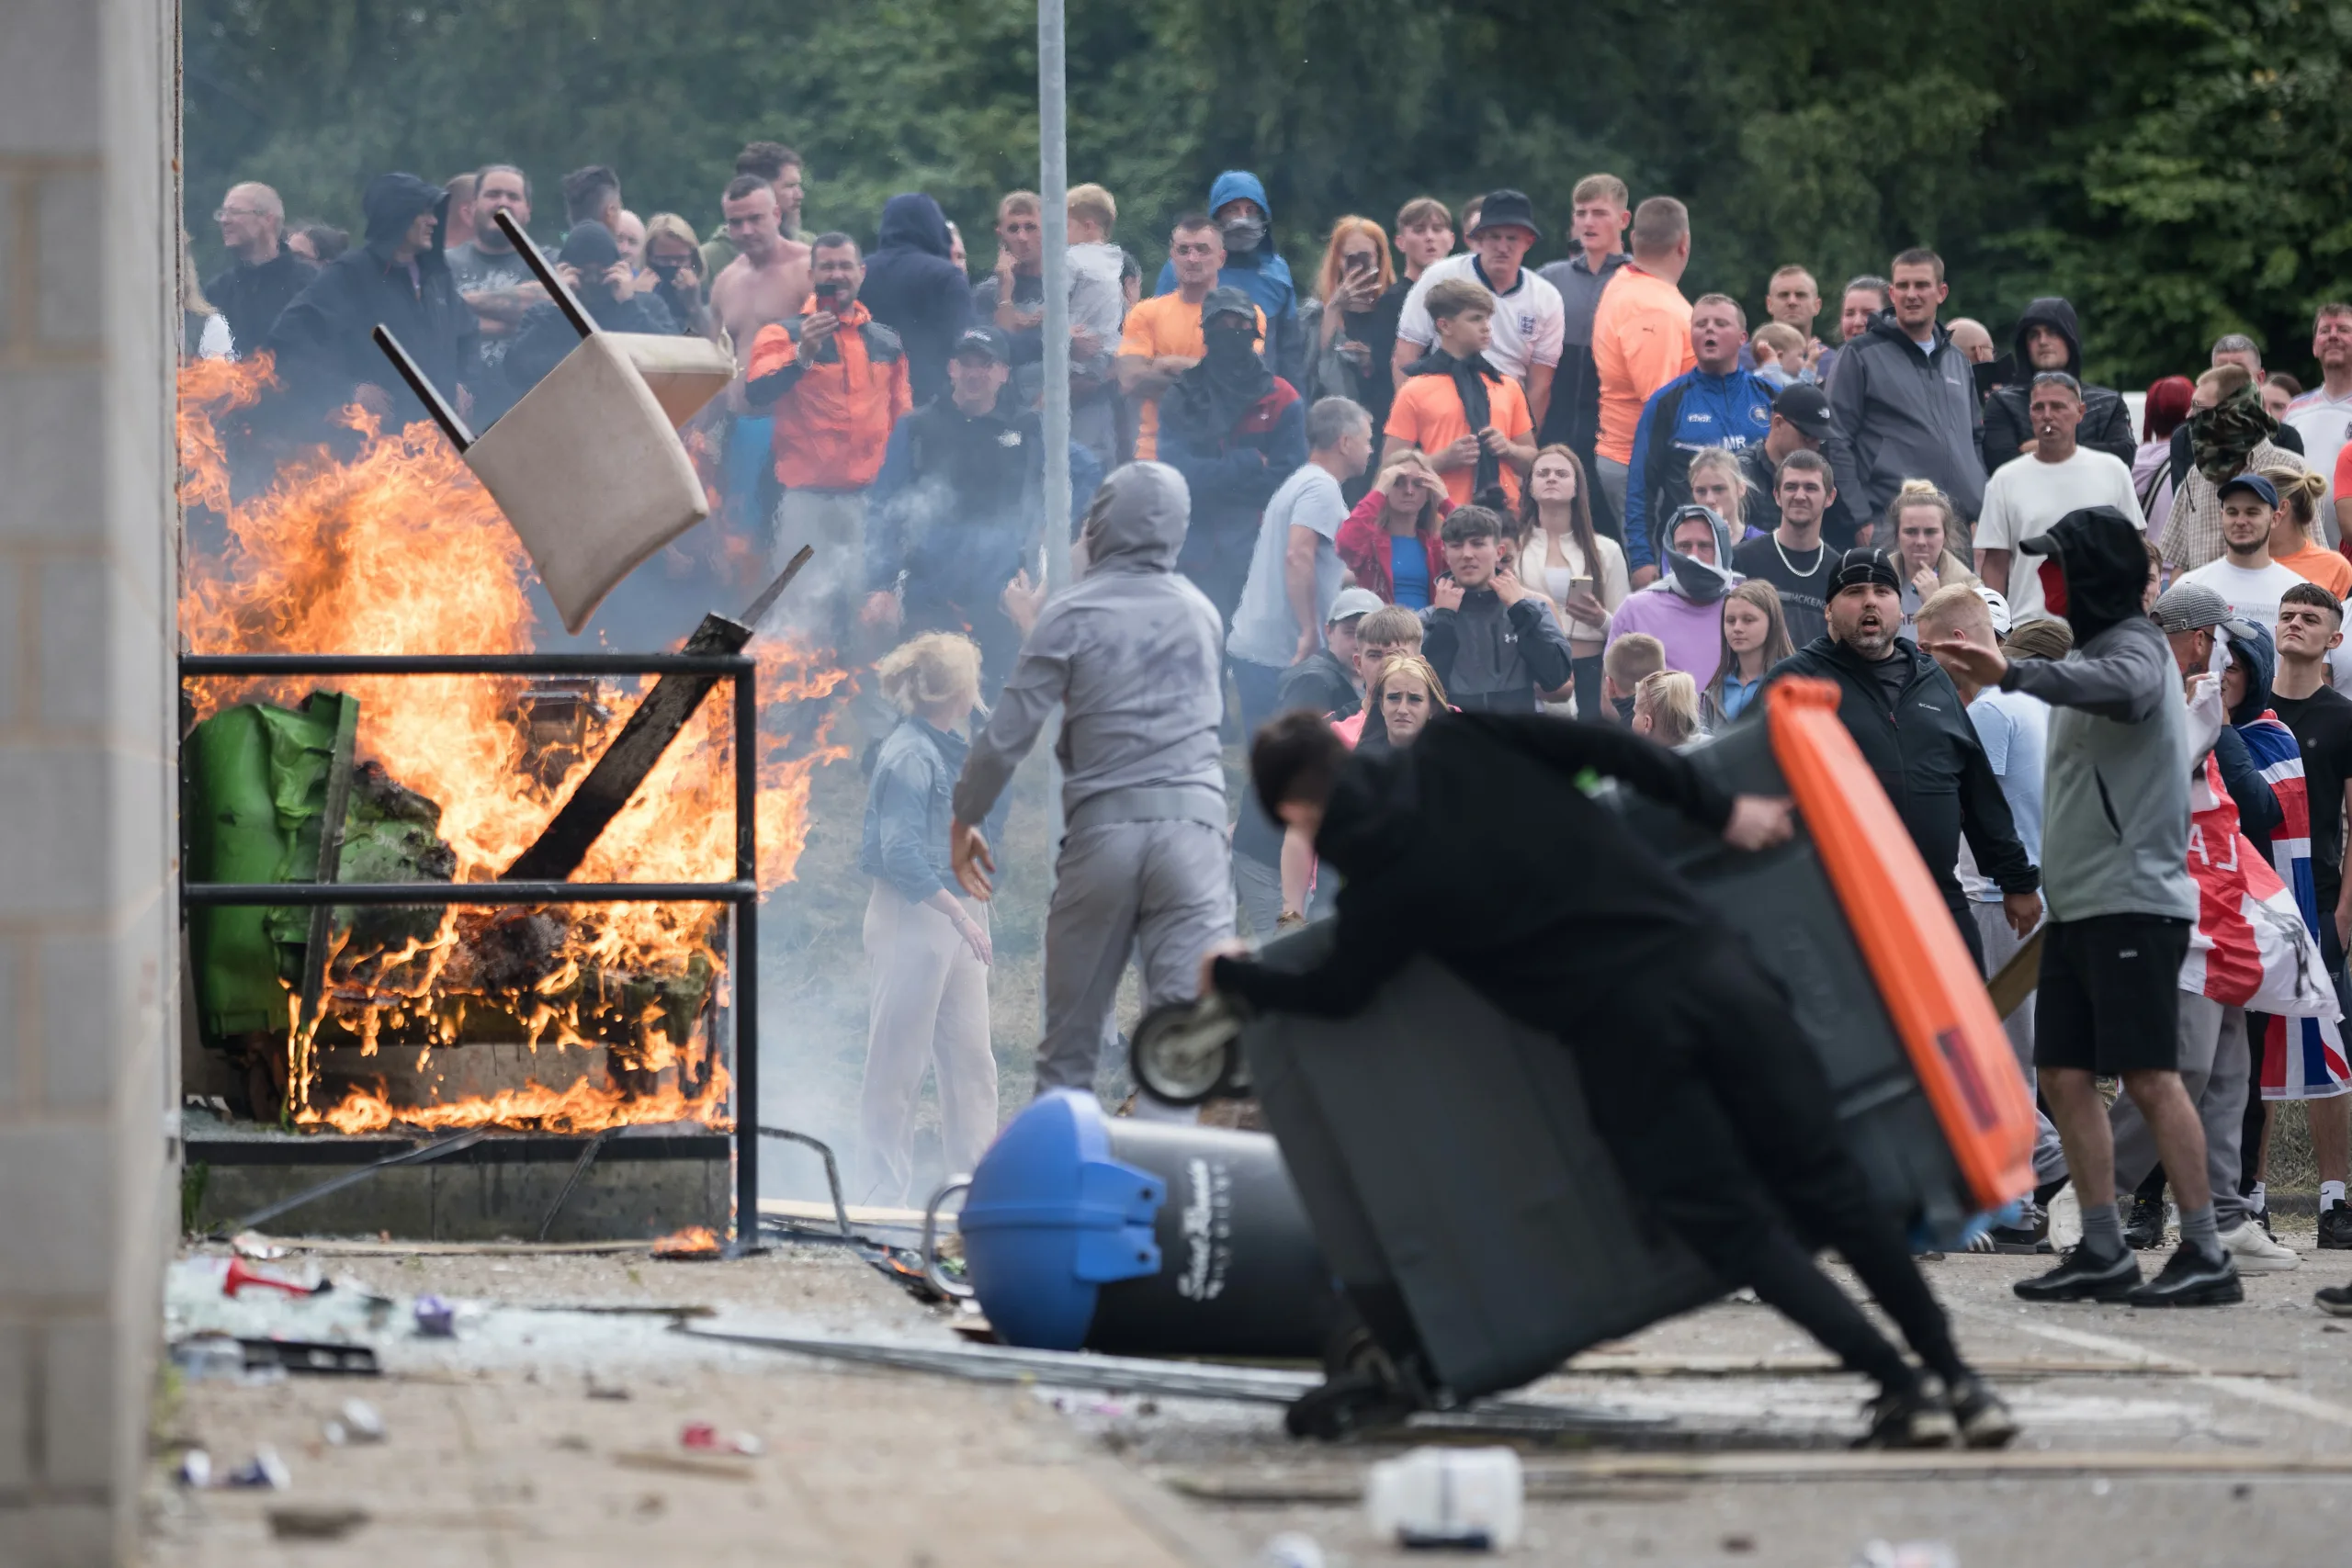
{"points": [[1924, 972]]}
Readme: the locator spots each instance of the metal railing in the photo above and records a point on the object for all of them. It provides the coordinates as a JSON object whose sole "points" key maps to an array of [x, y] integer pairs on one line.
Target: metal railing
{"points": [[739, 670]]}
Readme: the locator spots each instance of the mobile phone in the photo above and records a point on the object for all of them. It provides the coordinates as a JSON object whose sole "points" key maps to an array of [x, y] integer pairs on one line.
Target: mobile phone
{"points": [[1579, 585], [1358, 263], [827, 294]]}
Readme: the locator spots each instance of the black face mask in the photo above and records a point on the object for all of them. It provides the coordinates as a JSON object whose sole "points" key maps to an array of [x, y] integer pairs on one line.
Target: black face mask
{"points": [[667, 271], [1229, 345]]}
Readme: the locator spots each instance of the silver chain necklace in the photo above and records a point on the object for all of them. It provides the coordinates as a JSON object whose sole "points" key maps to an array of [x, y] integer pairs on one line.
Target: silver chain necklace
{"points": [[1819, 550]]}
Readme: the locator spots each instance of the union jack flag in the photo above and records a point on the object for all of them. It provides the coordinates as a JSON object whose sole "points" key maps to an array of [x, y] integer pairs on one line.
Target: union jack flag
{"points": [[2303, 1053]]}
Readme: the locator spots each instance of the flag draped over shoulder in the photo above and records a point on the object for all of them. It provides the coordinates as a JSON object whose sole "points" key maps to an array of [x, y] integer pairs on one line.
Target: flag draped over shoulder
{"points": [[2303, 1046]]}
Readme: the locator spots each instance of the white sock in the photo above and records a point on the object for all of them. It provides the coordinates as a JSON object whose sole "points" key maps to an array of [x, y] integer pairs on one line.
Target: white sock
{"points": [[2331, 1193], [2254, 1198]]}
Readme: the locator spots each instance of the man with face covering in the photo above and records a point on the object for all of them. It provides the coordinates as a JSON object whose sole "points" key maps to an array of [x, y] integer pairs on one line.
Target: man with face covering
{"points": [[1235, 431], [2115, 864], [1684, 609], [1134, 656], [324, 342], [1254, 265], [606, 288], [1906, 717]]}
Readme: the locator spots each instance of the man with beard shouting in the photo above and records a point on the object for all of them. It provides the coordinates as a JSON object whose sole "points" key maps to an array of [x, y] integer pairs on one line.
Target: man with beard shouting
{"points": [[1907, 716]]}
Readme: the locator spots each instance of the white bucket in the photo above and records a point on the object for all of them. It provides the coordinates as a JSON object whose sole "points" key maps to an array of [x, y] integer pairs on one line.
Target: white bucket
{"points": [[1457, 1497]]}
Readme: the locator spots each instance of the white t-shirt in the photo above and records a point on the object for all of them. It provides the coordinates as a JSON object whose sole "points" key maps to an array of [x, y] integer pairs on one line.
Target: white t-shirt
{"points": [[1264, 630], [2023, 499], [2324, 422], [1531, 322], [2252, 596]]}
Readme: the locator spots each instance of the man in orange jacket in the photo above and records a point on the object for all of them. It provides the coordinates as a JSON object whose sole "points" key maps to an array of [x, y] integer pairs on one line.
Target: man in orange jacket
{"points": [[836, 380]]}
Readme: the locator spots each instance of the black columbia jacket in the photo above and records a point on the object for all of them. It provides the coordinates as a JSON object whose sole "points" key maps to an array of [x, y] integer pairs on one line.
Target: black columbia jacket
{"points": [[1476, 846], [1927, 758]]}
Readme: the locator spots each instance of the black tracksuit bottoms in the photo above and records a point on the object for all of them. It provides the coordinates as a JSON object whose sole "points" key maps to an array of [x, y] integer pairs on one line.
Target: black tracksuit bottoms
{"points": [[1721, 1120]]}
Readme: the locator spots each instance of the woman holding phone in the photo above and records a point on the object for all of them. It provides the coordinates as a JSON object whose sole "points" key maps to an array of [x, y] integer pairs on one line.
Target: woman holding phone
{"points": [[1337, 323], [1561, 557]]}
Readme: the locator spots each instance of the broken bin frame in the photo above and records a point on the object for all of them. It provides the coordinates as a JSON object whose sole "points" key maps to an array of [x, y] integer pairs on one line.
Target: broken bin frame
{"points": [[739, 670]]}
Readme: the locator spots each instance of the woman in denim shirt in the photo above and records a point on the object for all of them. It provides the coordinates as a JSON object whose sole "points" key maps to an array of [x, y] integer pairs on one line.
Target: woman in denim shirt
{"points": [[1756, 637], [926, 946]]}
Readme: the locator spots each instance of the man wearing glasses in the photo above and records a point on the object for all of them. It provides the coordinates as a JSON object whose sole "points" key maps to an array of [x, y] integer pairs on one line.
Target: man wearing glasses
{"points": [[262, 275]]}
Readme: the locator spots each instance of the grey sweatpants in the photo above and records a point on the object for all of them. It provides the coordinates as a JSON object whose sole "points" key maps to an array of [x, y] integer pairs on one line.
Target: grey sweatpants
{"points": [[1162, 889], [2214, 1066], [2001, 944]]}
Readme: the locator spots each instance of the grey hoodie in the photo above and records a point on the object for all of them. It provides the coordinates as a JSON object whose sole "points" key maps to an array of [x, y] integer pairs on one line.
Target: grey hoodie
{"points": [[1134, 654], [1907, 414]]}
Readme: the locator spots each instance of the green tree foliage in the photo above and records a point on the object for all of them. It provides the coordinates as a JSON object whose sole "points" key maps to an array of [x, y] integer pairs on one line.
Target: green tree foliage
{"points": [[2179, 168]]}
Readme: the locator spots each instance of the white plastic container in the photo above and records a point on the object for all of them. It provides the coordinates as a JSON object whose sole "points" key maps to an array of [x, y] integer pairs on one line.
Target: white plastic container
{"points": [[1469, 1498]]}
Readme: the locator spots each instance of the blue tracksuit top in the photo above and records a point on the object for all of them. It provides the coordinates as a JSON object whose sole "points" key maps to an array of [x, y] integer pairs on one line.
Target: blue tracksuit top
{"points": [[1694, 411]]}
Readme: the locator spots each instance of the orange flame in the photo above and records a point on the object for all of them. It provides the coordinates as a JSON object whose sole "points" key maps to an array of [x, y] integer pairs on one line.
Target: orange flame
{"points": [[400, 550], [692, 1242]]}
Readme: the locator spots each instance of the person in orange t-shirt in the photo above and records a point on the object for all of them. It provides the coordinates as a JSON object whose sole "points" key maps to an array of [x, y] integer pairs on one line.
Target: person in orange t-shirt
{"points": [[2293, 543], [1469, 419], [1162, 337], [1641, 336]]}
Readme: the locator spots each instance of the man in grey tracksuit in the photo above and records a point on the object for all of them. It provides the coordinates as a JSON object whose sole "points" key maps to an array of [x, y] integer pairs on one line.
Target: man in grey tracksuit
{"points": [[1905, 401], [1133, 654], [2115, 873]]}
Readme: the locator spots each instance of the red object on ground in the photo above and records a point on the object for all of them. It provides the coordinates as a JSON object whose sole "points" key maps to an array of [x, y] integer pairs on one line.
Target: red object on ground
{"points": [[240, 1276]]}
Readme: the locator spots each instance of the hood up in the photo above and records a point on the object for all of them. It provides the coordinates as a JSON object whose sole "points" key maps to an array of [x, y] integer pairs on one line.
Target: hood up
{"points": [[391, 204], [2096, 570], [1693, 579], [2059, 317], [913, 222], [1236, 185], [2251, 643], [1137, 519]]}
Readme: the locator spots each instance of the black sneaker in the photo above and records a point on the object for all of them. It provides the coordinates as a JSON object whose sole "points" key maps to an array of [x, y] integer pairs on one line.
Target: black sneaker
{"points": [[2020, 1239], [1916, 1418], [2336, 1301], [2335, 1228], [2145, 1228], [1984, 1421], [2191, 1279], [2084, 1276]]}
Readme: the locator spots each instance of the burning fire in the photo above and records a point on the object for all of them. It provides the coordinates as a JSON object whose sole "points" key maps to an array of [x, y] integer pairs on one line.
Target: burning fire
{"points": [[400, 550], [694, 1241]]}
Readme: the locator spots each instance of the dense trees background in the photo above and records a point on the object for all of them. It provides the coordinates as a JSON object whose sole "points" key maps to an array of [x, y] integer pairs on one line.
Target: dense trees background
{"points": [[2180, 168]]}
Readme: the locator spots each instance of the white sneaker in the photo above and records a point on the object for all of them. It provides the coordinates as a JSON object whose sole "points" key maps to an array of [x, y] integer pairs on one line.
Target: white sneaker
{"points": [[2065, 1218], [2255, 1252]]}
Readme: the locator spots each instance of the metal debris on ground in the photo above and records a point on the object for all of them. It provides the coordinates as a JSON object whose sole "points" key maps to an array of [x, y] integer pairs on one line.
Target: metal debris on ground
{"points": [[325, 1357], [255, 1245]]}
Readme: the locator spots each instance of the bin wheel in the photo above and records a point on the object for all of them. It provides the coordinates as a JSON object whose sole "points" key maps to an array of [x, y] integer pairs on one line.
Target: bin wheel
{"points": [[1342, 1407]]}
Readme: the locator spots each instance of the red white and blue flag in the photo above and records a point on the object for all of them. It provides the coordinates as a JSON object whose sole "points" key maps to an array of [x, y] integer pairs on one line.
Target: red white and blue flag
{"points": [[2302, 1047]]}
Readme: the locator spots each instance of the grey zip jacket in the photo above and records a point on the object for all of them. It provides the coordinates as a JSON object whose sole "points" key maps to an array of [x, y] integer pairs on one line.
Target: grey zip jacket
{"points": [[1134, 654], [2115, 820], [1907, 414]]}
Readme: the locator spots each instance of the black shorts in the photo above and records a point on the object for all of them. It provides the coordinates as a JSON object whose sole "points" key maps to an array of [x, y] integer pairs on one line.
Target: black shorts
{"points": [[2110, 996]]}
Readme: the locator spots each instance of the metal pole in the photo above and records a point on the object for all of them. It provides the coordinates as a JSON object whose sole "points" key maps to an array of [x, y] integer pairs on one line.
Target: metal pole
{"points": [[1053, 184], [747, 961]]}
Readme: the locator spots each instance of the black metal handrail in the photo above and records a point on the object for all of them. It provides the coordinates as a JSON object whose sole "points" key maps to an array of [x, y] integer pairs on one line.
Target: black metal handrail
{"points": [[740, 670]]}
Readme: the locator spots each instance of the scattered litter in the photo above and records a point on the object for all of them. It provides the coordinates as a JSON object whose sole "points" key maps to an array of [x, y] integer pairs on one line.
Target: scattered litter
{"points": [[253, 1245], [331, 1359], [209, 1357], [701, 1436], [1292, 1550], [195, 1469], [1909, 1554], [264, 1473], [1468, 1499], [315, 1523], [361, 1423], [718, 1467], [436, 1319], [696, 1244], [240, 1278], [1739, 1543]]}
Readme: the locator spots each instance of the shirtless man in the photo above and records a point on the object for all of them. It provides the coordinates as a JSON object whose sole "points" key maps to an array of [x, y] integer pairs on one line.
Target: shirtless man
{"points": [[768, 279]]}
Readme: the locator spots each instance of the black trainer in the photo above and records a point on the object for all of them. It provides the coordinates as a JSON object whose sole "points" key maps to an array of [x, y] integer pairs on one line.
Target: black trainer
{"points": [[2020, 1239], [2084, 1276], [1983, 1419], [2191, 1279], [2336, 1301], [2335, 1228], [2145, 1228], [1916, 1418]]}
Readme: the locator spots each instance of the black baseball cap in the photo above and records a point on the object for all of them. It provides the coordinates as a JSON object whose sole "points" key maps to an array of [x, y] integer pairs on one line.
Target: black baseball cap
{"points": [[1227, 300], [983, 341], [1508, 209], [1806, 407]]}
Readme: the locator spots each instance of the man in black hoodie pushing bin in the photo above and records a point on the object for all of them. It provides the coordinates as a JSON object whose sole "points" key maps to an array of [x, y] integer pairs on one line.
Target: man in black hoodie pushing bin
{"points": [[1711, 1101]]}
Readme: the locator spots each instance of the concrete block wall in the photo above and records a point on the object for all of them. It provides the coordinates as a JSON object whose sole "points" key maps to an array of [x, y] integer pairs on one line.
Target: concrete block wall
{"points": [[88, 952]]}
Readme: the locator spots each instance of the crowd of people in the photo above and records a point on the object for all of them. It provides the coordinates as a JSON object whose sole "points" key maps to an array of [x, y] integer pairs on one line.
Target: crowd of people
{"points": [[1418, 480]]}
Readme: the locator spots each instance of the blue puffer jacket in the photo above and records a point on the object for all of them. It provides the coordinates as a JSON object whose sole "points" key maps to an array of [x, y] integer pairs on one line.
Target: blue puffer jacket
{"points": [[1261, 274], [1694, 411]]}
